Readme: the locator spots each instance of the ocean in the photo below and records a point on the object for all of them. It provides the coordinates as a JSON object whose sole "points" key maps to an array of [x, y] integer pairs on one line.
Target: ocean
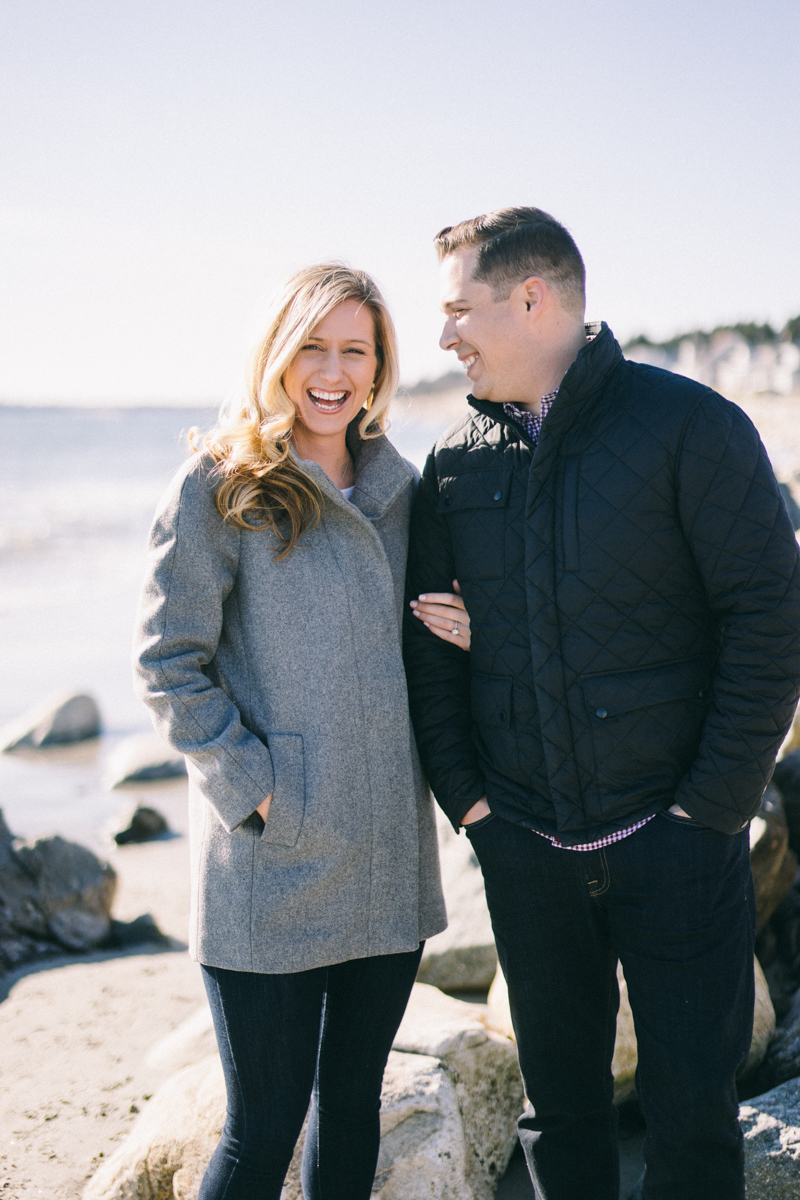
{"points": [[78, 489]]}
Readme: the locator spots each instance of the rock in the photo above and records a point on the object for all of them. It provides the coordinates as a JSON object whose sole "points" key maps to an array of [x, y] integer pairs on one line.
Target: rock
{"points": [[139, 932], [773, 864], [143, 825], [70, 718], [191, 1042], [782, 1060], [483, 1064], [447, 1119], [763, 1025], [463, 957], [787, 780], [625, 1059], [771, 1127], [54, 895], [142, 758]]}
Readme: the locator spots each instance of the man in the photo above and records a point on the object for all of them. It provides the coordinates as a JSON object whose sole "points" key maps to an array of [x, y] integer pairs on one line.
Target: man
{"points": [[632, 581]]}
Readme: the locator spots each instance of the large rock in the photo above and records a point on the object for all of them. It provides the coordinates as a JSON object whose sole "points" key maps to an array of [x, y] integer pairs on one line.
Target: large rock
{"points": [[625, 1058], [463, 957], [771, 1127], [54, 895], [773, 863], [782, 1060], [451, 1096], [143, 758], [69, 718]]}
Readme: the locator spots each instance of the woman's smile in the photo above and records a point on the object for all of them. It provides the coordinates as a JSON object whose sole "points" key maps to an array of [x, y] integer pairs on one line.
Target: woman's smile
{"points": [[329, 402]]}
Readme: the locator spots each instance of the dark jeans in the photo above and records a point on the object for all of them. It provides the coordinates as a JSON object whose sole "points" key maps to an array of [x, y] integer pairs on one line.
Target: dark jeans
{"points": [[321, 1035], [674, 901]]}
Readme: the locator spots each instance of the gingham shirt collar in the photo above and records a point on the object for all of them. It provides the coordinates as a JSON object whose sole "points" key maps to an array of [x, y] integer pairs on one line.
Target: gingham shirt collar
{"points": [[531, 422]]}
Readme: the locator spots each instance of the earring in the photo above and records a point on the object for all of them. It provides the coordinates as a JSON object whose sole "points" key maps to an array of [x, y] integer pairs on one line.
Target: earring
{"points": [[370, 400]]}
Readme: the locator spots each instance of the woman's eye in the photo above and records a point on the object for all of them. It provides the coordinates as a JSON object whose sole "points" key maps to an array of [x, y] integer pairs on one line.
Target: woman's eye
{"points": [[312, 346], [353, 350]]}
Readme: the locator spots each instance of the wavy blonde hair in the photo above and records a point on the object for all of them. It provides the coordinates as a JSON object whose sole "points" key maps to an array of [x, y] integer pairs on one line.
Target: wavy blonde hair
{"points": [[261, 485]]}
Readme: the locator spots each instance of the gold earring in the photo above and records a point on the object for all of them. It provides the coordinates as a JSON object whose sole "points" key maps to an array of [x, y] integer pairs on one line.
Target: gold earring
{"points": [[370, 400]]}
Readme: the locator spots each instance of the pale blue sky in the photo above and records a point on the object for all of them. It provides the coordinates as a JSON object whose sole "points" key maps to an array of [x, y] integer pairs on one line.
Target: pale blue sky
{"points": [[166, 163]]}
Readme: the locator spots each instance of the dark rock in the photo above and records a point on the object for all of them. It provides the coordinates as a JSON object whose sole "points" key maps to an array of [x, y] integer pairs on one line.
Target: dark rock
{"points": [[142, 931], [773, 864], [70, 718], [787, 780], [143, 758], [144, 825], [54, 895]]}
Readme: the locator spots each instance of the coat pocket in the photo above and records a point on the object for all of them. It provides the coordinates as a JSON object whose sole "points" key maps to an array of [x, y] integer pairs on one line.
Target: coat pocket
{"points": [[287, 810], [646, 722], [474, 504]]}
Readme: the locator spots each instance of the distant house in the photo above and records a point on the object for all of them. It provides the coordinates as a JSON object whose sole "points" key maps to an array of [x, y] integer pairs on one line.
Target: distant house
{"points": [[727, 361]]}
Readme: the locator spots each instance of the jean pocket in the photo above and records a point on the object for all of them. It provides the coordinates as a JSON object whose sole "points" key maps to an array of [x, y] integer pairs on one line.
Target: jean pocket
{"points": [[688, 821], [473, 825]]}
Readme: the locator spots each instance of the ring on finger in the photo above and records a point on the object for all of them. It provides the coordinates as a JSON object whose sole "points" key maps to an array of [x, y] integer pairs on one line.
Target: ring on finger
{"points": [[455, 629]]}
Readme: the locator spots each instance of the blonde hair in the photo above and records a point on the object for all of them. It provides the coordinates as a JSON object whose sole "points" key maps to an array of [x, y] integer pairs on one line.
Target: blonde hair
{"points": [[261, 486]]}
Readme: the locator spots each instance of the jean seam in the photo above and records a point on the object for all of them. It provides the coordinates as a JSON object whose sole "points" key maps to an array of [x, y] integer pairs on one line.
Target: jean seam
{"points": [[606, 877]]}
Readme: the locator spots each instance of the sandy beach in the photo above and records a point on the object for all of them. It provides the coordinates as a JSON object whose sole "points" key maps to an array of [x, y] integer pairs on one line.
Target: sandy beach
{"points": [[75, 1031]]}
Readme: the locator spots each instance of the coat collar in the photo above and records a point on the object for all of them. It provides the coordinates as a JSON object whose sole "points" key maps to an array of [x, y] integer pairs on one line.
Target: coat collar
{"points": [[381, 472]]}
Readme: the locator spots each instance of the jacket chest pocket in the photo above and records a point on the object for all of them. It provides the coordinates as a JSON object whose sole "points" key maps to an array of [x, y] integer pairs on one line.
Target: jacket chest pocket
{"points": [[474, 505]]}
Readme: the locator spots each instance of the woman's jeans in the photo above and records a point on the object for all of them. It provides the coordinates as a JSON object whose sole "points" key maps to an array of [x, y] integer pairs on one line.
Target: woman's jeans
{"points": [[322, 1035], [674, 901]]}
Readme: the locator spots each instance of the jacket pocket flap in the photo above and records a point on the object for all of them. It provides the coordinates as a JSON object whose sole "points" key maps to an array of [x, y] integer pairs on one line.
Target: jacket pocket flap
{"points": [[474, 489], [491, 700], [609, 695], [288, 806]]}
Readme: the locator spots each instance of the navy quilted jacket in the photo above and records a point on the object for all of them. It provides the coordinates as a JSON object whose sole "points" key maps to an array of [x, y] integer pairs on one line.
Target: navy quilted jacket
{"points": [[634, 592]]}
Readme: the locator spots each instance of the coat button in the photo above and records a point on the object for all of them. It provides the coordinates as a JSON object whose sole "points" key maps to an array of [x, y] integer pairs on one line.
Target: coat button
{"points": [[448, 500], [701, 693], [601, 713], [503, 715], [497, 496]]}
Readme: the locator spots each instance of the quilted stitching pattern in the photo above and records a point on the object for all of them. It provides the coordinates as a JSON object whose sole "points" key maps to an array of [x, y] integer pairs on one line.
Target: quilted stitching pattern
{"points": [[645, 536]]}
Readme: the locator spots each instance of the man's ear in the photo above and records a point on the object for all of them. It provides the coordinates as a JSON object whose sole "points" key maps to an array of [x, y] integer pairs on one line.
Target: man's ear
{"points": [[534, 293]]}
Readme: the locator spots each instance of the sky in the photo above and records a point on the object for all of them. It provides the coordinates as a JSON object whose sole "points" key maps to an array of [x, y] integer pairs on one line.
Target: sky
{"points": [[166, 164]]}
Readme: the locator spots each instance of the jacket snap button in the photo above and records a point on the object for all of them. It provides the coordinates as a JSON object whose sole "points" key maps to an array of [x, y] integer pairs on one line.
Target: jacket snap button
{"points": [[701, 693], [498, 496], [447, 501], [503, 716], [601, 712]]}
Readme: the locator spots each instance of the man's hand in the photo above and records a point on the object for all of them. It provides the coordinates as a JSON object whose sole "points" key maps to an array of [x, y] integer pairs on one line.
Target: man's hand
{"points": [[263, 808], [679, 812], [478, 810]]}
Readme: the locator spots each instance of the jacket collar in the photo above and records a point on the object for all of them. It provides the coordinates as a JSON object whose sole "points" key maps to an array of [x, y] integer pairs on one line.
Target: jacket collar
{"points": [[587, 374], [381, 472]]}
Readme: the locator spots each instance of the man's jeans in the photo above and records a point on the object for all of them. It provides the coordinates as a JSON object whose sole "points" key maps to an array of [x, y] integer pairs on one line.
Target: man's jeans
{"points": [[674, 901], [323, 1035]]}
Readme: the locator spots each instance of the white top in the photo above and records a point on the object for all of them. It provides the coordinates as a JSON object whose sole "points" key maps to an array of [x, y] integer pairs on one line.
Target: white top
{"points": [[347, 492]]}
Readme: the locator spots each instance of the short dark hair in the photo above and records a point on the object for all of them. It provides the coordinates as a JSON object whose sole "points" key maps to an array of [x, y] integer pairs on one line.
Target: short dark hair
{"points": [[515, 243]]}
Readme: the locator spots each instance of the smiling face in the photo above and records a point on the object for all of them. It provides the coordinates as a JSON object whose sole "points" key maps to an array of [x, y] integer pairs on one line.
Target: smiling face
{"points": [[492, 338], [331, 376]]}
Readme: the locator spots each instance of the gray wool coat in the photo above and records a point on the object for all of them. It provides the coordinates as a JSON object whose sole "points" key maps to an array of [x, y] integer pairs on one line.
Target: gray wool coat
{"points": [[287, 677]]}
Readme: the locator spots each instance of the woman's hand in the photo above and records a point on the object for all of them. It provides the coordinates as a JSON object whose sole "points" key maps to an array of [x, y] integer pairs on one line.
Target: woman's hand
{"points": [[263, 808], [445, 615]]}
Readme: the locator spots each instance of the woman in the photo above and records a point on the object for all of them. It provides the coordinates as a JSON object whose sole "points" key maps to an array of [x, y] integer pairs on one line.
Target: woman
{"points": [[269, 654]]}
